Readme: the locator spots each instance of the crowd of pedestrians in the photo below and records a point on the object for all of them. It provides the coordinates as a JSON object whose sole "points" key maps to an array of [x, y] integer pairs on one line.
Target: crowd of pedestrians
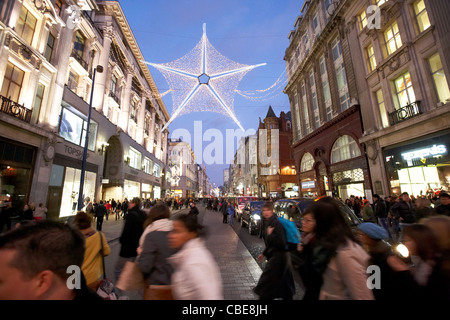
{"points": [[169, 253]]}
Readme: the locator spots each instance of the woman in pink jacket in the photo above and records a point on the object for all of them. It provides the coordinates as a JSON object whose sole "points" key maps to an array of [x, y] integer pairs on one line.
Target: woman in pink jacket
{"points": [[338, 255], [196, 274]]}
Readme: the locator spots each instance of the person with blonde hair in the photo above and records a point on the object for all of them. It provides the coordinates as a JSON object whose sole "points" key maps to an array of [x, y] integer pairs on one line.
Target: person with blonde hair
{"points": [[96, 246]]}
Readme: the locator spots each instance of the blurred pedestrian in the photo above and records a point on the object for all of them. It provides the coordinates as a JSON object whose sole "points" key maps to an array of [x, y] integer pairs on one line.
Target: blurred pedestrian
{"points": [[395, 280], [108, 209], [5, 216], [230, 211], [118, 210], [277, 280], [444, 207], [100, 212], [311, 276], [194, 210], [439, 283], [40, 213], [338, 256], [27, 213], [367, 212], [131, 233], [224, 211], [196, 274], [154, 251], [403, 211], [43, 272], [94, 240], [381, 213], [423, 246], [423, 208]]}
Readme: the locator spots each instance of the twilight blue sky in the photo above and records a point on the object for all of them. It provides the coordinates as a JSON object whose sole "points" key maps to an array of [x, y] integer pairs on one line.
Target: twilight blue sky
{"points": [[245, 31]]}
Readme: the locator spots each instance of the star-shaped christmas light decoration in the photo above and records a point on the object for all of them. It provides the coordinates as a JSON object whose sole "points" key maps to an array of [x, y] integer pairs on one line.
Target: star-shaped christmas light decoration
{"points": [[203, 80]]}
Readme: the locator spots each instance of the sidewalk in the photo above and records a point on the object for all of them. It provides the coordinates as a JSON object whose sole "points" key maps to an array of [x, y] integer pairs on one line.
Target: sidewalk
{"points": [[240, 272]]}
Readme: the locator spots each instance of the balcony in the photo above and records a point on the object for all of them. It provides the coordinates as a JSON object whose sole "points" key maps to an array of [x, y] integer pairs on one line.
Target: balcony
{"points": [[14, 109], [115, 97], [80, 60], [407, 112]]}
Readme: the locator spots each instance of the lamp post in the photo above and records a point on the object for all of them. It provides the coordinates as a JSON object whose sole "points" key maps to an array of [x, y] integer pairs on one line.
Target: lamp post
{"points": [[80, 203]]}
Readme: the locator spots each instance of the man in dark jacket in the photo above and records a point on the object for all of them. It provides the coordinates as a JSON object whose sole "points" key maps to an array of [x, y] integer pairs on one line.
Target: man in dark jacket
{"points": [[444, 207], [403, 210], [100, 212], [277, 280], [131, 233], [381, 212]]}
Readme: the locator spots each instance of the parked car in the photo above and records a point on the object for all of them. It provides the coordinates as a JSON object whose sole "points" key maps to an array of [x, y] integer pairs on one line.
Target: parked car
{"points": [[240, 204], [251, 216], [293, 209]]}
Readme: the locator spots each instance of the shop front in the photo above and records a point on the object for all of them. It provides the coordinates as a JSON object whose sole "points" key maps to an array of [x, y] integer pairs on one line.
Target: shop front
{"points": [[16, 171], [420, 167], [64, 186]]}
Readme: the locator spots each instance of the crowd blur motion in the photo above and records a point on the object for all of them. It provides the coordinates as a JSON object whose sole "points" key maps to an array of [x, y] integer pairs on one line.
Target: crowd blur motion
{"points": [[397, 247]]}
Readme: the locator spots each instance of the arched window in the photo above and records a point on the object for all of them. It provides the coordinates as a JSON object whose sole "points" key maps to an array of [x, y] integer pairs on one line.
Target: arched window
{"points": [[344, 148], [307, 162]]}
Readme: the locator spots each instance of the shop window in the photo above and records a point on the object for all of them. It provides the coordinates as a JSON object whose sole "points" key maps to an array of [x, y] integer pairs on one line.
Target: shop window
{"points": [[404, 92], [421, 14], [392, 38], [440, 81], [73, 128], [344, 148], [12, 83], [26, 25], [307, 162]]}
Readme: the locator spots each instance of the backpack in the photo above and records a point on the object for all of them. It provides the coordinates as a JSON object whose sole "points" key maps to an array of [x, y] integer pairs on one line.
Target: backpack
{"points": [[293, 236]]}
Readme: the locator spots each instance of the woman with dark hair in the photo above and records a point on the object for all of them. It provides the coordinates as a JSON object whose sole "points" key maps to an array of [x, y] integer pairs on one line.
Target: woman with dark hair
{"points": [[196, 274], [154, 250], [92, 267], [337, 255]]}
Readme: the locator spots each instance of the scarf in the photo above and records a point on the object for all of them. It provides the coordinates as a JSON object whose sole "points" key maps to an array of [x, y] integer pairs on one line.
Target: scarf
{"points": [[158, 225]]}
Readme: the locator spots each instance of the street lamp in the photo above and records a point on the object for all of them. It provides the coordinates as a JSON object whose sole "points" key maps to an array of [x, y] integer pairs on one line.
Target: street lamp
{"points": [[98, 69]]}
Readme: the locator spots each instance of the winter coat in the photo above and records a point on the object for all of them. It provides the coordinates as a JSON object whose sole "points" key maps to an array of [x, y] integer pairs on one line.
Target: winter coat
{"points": [[277, 280], [380, 208], [404, 210], [100, 211], [92, 265], [196, 274], [155, 252], [345, 277], [132, 231]]}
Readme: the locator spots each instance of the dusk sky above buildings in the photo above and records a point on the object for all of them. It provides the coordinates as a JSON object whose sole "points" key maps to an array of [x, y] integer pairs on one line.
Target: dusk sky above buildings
{"points": [[245, 31]]}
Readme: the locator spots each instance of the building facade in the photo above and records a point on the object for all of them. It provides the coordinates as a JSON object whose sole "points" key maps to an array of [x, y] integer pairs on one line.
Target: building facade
{"points": [[404, 69], [49, 55], [276, 173], [326, 112], [184, 170]]}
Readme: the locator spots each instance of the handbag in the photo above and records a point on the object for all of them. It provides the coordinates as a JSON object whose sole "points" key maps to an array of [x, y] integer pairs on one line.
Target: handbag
{"points": [[131, 277], [106, 287], [158, 292]]}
